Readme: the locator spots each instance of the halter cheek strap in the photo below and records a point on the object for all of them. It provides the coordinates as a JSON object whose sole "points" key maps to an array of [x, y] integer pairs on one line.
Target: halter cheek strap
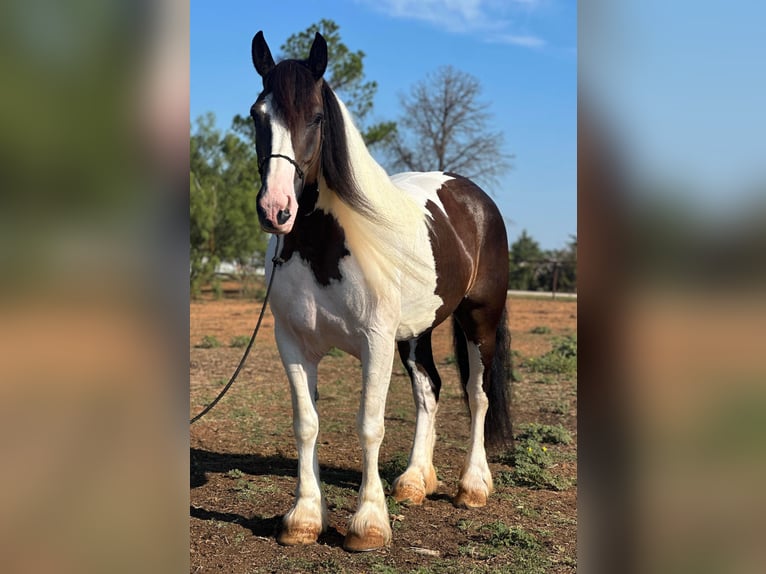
{"points": [[263, 161]]}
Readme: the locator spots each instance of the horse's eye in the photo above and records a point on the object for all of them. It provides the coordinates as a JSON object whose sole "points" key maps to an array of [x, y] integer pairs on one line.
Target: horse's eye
{"points": [[317, 119]]}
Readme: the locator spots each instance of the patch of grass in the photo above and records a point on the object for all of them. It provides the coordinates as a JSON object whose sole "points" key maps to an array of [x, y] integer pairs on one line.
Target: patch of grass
{"points": [[528, 554], [336, 426], [393, 467], [558, 407], [239, 538], [208, 342], [466, 525], [540, 330], [531, 467], [337, 497], [532, 460], [503, 536], [335, 352], [245, 489], [560, 360], [449, 360], [394, 508], [235, 473], [239, 341], [551, 434]]}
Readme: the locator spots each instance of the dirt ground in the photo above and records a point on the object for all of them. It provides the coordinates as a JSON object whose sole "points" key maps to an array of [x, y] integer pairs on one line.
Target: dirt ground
{"points": [[243, 460]]}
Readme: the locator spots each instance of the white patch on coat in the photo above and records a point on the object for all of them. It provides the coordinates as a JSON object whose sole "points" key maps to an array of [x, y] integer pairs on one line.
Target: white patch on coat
{"points": [[422, 185], [280, 180]]}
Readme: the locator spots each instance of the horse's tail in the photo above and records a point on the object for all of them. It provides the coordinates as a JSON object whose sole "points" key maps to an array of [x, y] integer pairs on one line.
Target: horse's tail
{"points": [[498, 429]]}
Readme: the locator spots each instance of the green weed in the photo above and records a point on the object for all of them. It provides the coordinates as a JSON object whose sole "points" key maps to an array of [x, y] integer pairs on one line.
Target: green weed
{"points": [[532, 460], [336, 496], [558, 407], [208, 342], [335, 352], [503, 536], [560, 360], [393, 467], [528, 556], [540, 330], [394, 508], [239, 341], [551, 434]]}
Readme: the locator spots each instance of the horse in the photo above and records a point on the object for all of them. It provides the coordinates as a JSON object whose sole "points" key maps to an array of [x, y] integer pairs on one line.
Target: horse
{"points": [[369, 264]]}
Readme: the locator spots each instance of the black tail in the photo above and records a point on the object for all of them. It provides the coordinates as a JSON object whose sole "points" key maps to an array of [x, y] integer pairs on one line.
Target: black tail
{"points": [[498, 429]]}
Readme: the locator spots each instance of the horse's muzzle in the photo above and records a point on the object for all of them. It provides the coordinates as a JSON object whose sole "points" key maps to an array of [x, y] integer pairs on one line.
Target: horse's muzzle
{"points": [[281, 226]]}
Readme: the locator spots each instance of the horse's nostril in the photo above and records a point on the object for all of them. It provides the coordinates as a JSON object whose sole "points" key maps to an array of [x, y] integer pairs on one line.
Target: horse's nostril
{"points": [[282, 216]]}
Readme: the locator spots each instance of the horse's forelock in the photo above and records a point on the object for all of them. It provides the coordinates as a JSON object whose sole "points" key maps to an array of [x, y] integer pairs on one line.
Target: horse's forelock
{"points": [[293, 91]]}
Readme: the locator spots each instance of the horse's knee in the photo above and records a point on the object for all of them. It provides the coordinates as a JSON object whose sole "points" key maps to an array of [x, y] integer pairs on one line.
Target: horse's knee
{"points": [[306, 428], [370, 432]]}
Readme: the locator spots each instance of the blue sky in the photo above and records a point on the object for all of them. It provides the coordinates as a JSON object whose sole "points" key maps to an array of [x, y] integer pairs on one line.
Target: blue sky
{"points": [[523, 53]]}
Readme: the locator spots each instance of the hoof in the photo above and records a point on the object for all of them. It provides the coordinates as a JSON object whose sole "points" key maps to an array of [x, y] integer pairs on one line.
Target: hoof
{"points": [[413, 486], [412, 493], [470, 499], [371, 540], [298, 536]]}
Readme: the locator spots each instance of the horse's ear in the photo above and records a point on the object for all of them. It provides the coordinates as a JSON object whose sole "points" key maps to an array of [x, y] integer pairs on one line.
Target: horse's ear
{"points": [[317, 61], [262, 59]]}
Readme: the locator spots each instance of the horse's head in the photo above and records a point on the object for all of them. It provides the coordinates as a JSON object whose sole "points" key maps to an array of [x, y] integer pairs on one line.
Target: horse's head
{"points": [[288, 116]]}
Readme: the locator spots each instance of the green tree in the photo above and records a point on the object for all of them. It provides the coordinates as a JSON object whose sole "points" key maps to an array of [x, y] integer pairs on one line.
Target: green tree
{"points": [[563, 262], [224, 185], [525, 257], [345, 74]]}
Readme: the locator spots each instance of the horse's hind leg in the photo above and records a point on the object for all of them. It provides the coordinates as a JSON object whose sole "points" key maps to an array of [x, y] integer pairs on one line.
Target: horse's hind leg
{"points": [[475, 340], [419, 479]]}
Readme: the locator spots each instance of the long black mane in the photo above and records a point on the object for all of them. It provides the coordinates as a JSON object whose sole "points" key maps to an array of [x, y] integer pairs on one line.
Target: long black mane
{"points": [[336, 162]]}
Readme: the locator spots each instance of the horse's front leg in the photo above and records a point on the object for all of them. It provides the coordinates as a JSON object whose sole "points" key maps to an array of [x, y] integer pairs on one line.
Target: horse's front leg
{"points": [[369, 527], [308, 516]]}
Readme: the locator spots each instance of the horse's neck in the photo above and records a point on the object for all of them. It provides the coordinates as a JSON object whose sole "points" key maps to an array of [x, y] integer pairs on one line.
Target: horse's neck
{"points": [[381, 239], [371, 179]]}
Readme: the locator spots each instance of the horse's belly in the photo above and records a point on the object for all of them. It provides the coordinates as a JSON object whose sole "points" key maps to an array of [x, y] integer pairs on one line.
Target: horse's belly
{"points": [[418, 313]]}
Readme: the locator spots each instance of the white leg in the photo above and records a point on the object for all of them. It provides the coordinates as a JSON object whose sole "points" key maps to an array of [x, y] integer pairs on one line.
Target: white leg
{"points": [[369, 527], [308, 516], [419, 479], [475, 478]]}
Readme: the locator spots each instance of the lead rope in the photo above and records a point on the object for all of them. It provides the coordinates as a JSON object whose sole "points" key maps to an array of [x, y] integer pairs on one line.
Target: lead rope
{"points": [[276, 261]]}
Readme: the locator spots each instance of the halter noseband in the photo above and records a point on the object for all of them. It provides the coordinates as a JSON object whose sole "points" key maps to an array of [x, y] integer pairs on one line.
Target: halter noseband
{"points": [[298, 169]]}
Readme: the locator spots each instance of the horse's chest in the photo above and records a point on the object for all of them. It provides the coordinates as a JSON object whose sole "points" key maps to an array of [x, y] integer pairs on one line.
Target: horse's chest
{"points": [[328, 314]]}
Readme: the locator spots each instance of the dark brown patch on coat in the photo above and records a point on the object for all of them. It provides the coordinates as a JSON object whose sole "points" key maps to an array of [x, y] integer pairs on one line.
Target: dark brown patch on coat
{"points": [[317, 238], [459, 238]]}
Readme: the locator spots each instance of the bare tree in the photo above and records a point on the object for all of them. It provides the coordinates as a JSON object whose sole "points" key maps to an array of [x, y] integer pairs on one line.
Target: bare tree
{"points": [[444, 127]]}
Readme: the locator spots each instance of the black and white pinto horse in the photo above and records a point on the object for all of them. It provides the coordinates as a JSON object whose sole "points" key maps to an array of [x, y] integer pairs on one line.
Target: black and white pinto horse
{"points": [[370, 263]]}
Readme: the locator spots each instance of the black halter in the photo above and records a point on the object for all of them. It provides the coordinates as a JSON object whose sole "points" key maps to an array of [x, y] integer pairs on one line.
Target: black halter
{"points": [[298, 169]]}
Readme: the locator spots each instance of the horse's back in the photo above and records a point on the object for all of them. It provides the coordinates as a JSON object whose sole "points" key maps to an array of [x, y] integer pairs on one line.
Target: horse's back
{"points": [[466, 204]]}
